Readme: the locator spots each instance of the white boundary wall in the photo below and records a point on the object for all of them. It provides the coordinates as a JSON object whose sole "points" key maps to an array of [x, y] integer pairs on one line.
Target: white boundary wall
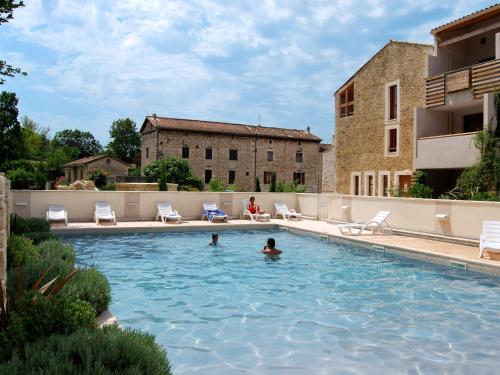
{"points": [[464, 218]]}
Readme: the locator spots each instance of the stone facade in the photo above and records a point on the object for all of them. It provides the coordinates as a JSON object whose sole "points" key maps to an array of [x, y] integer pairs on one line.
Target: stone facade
{"points": [[4, 228], [79, 169], [252, 155], [328, 167], [362, 138]]}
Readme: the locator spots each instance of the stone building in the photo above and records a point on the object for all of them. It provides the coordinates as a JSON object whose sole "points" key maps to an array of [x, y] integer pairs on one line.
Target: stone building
{"points": [[374, 115], [79, 169], [328, 167], [235, 153]]}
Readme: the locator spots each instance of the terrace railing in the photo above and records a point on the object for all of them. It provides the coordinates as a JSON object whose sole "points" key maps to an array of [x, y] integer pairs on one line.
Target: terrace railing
{"points": [[480, 78]]}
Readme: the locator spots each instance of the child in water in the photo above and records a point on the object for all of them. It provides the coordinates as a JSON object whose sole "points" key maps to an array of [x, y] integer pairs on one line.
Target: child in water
{"points": [[215, 240], [270, 249]]}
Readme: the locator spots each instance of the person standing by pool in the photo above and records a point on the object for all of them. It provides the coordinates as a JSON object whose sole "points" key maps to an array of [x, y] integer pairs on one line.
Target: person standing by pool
{"points": [[270, 248], [215, 240], [254, 208]]}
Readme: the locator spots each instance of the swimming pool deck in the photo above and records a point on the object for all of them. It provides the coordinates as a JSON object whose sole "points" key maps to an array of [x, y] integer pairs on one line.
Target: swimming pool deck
{"points": [[433, 250]]}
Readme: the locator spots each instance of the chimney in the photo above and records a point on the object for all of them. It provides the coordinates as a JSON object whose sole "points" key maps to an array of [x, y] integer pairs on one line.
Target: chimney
{"points": [[308, 129], [154, 115]]}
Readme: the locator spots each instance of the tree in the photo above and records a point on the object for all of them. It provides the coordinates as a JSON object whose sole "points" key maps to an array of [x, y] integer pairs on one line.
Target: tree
{"points": [[7, 8], [125, 140], [83, 141], [176, 171], [273, 186], [257, 184], [35, 139], [11, 139]]}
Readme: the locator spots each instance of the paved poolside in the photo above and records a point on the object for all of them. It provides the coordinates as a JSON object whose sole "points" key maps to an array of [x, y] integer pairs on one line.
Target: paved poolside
{"points": [[434, 250]]}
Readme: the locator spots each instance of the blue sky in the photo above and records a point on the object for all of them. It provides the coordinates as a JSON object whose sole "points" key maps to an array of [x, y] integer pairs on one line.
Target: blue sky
{"points": [[91, 62]]}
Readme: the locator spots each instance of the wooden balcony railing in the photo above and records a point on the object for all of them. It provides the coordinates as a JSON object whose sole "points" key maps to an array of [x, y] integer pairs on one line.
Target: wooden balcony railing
{"points": [[480, 78]]}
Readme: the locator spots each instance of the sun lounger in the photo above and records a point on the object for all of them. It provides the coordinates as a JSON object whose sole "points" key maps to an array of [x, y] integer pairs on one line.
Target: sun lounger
{"points": [[165, 213], [376, 224], [253, 217], [212, 214], [490, 239], [103, 211], [283, 211], [57, 213]]}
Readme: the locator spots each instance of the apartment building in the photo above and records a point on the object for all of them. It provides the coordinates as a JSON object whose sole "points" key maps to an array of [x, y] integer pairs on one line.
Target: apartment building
{"points": [[235, 153], [463, 72], [374, 116]]}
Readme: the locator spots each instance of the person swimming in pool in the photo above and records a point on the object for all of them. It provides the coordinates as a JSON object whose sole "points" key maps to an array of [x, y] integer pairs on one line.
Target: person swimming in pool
{"points": [[270, 248], [215, 240]]}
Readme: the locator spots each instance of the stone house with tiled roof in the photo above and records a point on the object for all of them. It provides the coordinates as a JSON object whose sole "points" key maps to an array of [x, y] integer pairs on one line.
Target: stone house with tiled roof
{"points": [[374, 114], [235, 153], [80, 168]]}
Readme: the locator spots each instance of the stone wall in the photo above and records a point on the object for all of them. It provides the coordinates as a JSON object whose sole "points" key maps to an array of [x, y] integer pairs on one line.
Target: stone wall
{"points": [[249, 163], [4, 226], [360, 138], [328, 169]]}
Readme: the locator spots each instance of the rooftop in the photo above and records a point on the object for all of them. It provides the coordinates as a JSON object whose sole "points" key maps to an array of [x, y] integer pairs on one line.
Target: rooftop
{"points": [[90, 159], [203, 126], [491, 11]]}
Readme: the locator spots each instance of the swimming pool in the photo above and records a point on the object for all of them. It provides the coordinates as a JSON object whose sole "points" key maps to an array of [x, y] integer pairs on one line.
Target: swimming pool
{"points": [[322, 308]]}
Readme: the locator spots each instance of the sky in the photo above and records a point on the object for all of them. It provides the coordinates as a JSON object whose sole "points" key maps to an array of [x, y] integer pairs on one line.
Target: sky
{"points": [[90, 62]]}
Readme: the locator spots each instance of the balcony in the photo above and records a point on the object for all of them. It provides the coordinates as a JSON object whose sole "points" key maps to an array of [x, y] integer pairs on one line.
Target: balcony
{"points": [[451, 151], [479, 79]]}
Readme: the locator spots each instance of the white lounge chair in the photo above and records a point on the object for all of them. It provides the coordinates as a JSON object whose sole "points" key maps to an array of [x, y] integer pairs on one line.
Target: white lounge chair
{"points": [[57, 212], [253, 217], [103, 211], [165, 213], [374, 225], [212, 213], [283, 211], [490, 239]]}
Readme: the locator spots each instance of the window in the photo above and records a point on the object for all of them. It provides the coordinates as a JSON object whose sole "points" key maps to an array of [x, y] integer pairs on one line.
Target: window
{"points": [[369, 187], [473, 123], [346, 104], [383, 183], [299, 143], [298, 157], [393, 140], [267, 177], [208, 154], [270, 141], [356, 184], [393, 102], [299, 178], [185, 152], [233, 154], [208, 175], [147, 152], [270, 156], [231, 177]]}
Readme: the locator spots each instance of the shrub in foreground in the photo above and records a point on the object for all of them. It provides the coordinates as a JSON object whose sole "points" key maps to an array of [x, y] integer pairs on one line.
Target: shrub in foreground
{"points": [[55, 249], [89, 285], [38, 237], [92, 351], [20, 250], [35, 316], [19, 225]]}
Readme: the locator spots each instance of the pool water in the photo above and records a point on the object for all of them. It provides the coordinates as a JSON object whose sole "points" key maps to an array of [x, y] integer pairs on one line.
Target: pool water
{"points": [[321, 308]]}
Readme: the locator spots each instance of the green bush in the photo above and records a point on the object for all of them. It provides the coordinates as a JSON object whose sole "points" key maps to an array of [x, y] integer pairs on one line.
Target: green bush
{"points": [[272, 188], [26, 179], [37, 316], [99, 178], [101, 351], [89, 285], [19, 225], [257, 185], [20, 250], [216, 185], [289, 187], [55, 249], [108, 187], [38, 237], [194, 183]]}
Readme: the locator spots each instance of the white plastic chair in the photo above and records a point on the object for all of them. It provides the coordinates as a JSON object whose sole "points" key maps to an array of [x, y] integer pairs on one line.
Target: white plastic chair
{"points": [[212, 207], [56, 212], [490, 239], [103, 211], [253, 217], [283, 211], [374, 225], [165, 212]]}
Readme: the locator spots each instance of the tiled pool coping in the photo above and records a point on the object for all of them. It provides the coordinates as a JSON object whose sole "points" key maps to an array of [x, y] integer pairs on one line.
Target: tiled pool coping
{"points": [[431, 250]]}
